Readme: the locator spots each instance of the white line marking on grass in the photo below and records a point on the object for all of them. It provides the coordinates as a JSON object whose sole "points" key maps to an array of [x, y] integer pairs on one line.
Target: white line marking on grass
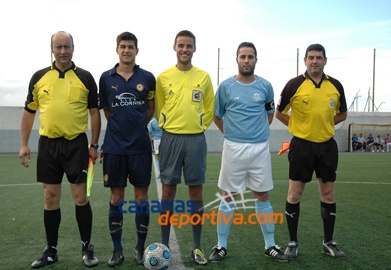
{"points": [[315, 181], [342, 182], [276, 181], [15, 185], [176, 262], [366, 183]]}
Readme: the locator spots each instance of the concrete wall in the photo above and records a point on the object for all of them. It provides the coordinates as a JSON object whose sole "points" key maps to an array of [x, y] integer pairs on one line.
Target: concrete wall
{"points": [[10, 131], [361, 122]]}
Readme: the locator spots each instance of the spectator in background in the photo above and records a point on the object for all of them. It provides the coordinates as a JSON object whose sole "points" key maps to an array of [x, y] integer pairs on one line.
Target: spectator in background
{"points": [[355, 144], [361, 142], [379, 143], [371, 142], [155, 134], [387, 142]]}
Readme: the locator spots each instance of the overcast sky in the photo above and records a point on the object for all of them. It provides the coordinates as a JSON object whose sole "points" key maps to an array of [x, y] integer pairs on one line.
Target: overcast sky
{"points": [[355, 33]]}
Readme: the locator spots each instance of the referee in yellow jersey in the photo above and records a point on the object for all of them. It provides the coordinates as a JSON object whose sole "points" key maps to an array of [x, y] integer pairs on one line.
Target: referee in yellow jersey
{"points": [[184, 109], [316, 103], [64, 94]]}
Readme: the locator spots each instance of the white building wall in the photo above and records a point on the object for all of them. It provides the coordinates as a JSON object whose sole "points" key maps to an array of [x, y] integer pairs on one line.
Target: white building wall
{"points": [[10, 131]]}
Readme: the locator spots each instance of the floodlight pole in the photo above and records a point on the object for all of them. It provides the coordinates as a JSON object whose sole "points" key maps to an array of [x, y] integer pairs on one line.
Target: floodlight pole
{"points": [[373, 81], [355, 101], [368, 102], [297, 62], [356, 98], [377, 108], [218, 66]]}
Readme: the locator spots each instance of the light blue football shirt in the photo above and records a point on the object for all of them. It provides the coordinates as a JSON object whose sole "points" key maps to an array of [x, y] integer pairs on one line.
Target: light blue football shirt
{"points": [[243, 109]]}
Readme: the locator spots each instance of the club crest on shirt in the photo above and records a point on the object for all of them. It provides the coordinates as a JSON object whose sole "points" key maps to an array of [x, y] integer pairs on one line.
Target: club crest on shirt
{"points": [[140, 87], [256, 97], [331, 103], [197, 95]]}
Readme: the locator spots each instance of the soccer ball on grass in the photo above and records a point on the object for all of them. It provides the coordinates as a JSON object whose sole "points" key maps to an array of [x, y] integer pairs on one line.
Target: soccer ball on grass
{"points": [[156, 257]]}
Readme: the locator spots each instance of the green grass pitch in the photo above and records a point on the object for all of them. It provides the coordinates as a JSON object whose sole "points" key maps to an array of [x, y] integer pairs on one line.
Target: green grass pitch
{"points": [[363, 192]]}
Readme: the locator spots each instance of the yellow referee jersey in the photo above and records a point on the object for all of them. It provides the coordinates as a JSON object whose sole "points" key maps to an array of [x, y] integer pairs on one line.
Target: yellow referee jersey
{"points": [[312, 107], [63, 99], [184, 100]]}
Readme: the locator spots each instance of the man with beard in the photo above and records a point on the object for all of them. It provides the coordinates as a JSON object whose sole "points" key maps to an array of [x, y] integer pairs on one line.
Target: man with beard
{"points": [[244, 109]]}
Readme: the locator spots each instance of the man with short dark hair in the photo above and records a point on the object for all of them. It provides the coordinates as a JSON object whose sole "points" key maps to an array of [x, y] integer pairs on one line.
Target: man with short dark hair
{"points": [[127, 99], [184, 110], [361, 142], [355, 144], [244, 110], [316, 103]]}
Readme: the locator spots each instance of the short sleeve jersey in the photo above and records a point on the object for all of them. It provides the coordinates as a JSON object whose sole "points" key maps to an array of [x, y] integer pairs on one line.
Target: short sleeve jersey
{"points": [[126, 131], [63, 99], [245, 109], [184, 100], [312, 106]]}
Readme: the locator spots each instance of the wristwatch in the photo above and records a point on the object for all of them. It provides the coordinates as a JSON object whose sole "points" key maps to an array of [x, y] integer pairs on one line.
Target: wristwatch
{"points": [[96, 146]]}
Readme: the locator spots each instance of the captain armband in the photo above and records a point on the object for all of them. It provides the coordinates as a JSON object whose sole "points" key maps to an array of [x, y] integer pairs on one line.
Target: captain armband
{"points": [[269, 106]]}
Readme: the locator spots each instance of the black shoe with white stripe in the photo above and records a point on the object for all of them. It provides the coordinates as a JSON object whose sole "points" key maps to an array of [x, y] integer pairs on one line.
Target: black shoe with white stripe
{"points": [[49, 256], [331, 248], [89, 256], [218, 254], [117, 258], [198, 256], [292, 250], [275, 253]]}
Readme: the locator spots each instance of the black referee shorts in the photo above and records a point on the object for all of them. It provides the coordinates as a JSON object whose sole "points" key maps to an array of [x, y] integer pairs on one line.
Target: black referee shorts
{"points": [[59, 156], [305, 157]]}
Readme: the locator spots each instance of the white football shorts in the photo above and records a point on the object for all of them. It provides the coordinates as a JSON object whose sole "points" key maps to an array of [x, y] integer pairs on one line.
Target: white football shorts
{"points": [[245, 165]]}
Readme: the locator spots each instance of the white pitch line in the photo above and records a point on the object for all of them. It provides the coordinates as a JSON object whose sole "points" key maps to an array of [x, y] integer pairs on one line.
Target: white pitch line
{"points": [[211, 180], [16, 185], [343, 182], [176, 262], [314, 181]]}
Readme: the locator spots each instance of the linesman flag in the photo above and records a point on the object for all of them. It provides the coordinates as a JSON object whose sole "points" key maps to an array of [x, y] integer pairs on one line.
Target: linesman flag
{"points": [[90, 176], [284, 148]]}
